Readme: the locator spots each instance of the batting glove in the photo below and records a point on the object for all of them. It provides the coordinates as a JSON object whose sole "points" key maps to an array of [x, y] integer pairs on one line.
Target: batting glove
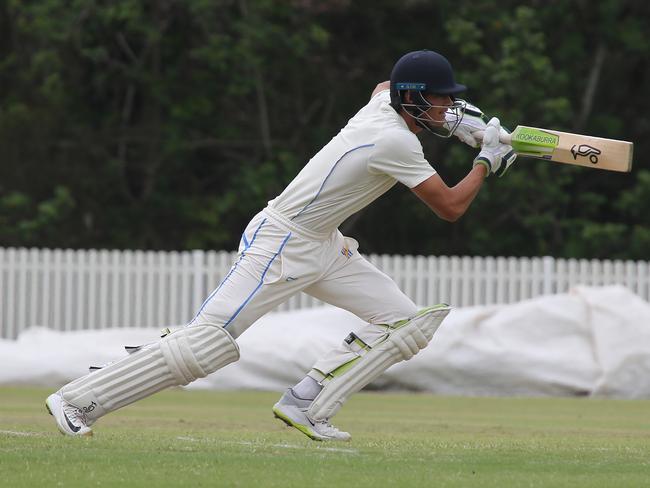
{"points": [[495, 156], [473, 120]]}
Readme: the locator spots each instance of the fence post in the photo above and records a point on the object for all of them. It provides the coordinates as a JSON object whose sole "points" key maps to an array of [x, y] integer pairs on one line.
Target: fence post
{"points": [[21, 276], [548, 274], [10, 325], [198, 269]]}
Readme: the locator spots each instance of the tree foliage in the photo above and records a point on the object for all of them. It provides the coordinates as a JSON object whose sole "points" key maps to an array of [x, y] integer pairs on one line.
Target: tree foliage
{"points": [[167, 124]]}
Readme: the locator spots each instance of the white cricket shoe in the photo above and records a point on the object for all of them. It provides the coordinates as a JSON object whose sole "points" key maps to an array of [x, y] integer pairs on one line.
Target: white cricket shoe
{"points": [[69, 419], [293, 412]]}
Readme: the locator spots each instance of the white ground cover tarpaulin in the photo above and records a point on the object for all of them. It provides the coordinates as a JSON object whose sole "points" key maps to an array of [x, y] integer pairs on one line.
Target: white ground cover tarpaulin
{"points": [[591, 341]]}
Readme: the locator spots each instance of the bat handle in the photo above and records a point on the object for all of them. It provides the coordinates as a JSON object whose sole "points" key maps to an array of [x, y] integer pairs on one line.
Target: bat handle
{"points": [[503, 137]]}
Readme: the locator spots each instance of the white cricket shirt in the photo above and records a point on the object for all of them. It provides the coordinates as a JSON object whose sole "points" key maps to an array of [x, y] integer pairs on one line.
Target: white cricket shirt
{"points": [[365, 159]]}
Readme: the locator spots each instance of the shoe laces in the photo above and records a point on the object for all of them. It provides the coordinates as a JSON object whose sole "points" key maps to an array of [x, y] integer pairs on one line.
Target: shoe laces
{"points": [[326, 428], [75, 414]]}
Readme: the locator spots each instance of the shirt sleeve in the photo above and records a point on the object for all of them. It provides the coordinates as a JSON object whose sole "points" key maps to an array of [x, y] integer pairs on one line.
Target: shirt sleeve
{"points": [[399, 154]]}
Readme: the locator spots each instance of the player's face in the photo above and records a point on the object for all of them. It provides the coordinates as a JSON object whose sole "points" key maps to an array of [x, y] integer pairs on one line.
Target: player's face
{"points": [[439, 114], [439, 106]]}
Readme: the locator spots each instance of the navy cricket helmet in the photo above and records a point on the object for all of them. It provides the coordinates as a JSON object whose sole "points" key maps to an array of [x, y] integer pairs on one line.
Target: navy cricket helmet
{"points": [[424, 71], [421, 73]]}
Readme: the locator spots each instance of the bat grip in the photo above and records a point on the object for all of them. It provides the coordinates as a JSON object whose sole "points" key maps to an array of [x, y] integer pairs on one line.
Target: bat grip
{"points": [[503, 137]]}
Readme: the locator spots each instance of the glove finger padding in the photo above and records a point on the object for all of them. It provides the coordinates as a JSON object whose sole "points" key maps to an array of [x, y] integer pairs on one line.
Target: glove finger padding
{"points": [[467, 137], [491, 135], [473, 120]]}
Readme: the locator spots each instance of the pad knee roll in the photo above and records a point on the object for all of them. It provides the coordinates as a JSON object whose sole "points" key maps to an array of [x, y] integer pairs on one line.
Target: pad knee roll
{"points": [[401, 341], [177, 359], [196, 351]]}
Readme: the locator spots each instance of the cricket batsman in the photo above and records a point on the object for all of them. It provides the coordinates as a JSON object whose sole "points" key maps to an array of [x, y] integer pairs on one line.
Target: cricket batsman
{"points": [[294, 245]]}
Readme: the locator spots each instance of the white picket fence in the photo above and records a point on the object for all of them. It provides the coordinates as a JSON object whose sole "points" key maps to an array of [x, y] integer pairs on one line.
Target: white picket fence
{"points": [[77, 290]]}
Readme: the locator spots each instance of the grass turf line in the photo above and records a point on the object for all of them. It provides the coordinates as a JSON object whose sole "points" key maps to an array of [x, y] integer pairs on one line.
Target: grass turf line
{"points": [[201, 438]]}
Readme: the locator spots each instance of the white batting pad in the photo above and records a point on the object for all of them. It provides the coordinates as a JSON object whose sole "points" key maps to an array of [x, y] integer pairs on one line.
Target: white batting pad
{"points": [[400, 342], [177, 359]]}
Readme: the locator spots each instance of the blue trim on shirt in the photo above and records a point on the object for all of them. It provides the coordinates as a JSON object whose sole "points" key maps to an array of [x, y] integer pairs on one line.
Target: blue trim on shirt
{"points": [[327, 177], [259, 285]]}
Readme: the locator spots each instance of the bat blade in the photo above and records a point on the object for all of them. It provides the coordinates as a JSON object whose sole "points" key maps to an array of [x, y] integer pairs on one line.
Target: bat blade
{"points": [[564, 147]]}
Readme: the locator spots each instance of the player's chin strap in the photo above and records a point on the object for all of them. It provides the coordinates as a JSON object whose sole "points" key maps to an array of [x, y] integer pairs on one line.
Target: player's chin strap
{"points": [[401, 341]]}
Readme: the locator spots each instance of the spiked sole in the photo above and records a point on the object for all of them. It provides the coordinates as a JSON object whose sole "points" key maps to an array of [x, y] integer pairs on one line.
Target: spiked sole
{"points": [[302, 428]]}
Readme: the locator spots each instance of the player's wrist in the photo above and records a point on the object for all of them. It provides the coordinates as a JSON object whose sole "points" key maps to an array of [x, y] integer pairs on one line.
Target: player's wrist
{"points": [[484, 162]]}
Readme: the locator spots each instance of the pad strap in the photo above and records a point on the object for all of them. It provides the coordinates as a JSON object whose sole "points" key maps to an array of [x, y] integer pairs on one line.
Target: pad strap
{"points": [[401, 342]]}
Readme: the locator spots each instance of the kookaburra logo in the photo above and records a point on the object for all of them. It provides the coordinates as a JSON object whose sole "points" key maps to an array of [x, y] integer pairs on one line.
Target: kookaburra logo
{"points": [[587, 151]]}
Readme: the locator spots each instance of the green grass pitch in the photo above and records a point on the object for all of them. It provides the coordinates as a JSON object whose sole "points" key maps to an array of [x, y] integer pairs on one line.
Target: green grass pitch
{"points": [[201, 438]]}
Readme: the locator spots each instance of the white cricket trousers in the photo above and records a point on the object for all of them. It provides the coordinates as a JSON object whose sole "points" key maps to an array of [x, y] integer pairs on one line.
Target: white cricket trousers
{"points": [[278, 259]]}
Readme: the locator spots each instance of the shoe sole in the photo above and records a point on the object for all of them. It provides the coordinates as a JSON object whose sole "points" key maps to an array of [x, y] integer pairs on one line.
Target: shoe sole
{"points": [[302, 428], [63, 432]]}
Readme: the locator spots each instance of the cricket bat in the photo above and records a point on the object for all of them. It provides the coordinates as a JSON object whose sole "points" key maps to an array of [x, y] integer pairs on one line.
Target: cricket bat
{"points": [[564, 147]]}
